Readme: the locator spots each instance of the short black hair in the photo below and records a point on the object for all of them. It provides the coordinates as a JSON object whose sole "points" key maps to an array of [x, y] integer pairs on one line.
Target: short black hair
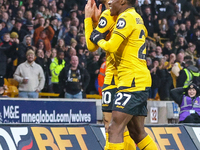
{"points": [[131, 2], [60, 51], [188, 57], [189, 62]]}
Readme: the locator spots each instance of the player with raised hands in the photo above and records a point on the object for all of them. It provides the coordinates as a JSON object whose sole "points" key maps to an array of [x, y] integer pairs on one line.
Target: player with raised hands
{"points": [[127, 42], [106, 23]]}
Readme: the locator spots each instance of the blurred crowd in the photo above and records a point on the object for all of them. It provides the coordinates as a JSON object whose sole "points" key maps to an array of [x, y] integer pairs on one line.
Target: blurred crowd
{"points": [[173, 42], [50, 33]]}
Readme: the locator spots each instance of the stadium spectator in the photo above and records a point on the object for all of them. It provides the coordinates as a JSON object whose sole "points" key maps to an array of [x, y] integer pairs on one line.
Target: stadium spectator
{"points": [[14, 8], [70, 52], [189, 103], [180, 19], [189, 8], [145, 5], [73, 43], [40, 45], [18, 29], [159, 52], [152, 54], [81, 40], [172, 8], [149, 63], [30, 6], [167, 83], [81, 55], [28, 16], [197, 6], [74, 79], [182, 31], [173, 33], [55, 67], [8, 50], [29, 28], [44, 61], [178, 65], [156, 77], [189, 30], [186, 74], [54, 11], [61, 45], [23, 47], [75, 22], [30, 77], [71, 34], [150, 45], [64, 28], [163, 29], [101, 77], [190, 51], [20, 16], [149, 21], [172, 21], [39, 21], [93, 69], [54, 24], [181, 44], [53, 54], [45, 33], [5, 18], [196, 40], [167, 49]]}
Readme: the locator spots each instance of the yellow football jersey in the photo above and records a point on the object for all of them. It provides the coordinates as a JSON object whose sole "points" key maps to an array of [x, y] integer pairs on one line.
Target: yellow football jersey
{"points": [[128, 44], [106, 22]]}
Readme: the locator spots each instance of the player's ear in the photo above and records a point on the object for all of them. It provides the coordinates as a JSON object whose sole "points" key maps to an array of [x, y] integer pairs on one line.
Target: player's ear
{"points": [[123, 2]]}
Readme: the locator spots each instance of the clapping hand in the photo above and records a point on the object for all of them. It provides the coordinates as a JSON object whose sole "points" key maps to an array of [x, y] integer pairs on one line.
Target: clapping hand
{"points": [[90, 8]]}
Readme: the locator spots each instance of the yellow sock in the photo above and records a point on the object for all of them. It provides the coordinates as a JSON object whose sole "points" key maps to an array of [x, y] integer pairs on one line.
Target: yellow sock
{"points": [[115, 146], [129, 144], [106, 144], [147, 144]]}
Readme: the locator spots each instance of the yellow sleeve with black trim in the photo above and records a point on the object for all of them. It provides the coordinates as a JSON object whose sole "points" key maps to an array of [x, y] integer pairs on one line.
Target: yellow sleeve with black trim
{"points": [[106, 22], [88, 30], [123, 28]]}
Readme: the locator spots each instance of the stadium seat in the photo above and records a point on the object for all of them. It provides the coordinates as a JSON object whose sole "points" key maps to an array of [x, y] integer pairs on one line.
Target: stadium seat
{"points": [[93, 96], [42, 94], [13, 82], [6, 82], [12, 90]]}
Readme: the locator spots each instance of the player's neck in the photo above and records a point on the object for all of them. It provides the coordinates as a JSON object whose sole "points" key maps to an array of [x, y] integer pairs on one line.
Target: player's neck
{"points": [[123, 8], [106, 5]]}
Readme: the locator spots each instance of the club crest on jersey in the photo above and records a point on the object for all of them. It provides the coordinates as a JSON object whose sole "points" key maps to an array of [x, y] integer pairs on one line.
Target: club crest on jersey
{"points": [[121, 23], [102, 22]]}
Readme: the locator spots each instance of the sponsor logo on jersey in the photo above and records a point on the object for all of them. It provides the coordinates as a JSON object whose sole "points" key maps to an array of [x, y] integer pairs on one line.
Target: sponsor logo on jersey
{"points": [[102, 22], [139, 21], [121, 23]]}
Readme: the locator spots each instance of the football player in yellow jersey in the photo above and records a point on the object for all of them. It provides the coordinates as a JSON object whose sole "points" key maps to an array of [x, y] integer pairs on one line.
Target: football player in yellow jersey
{"points": [[106, 22], [127, 42]]}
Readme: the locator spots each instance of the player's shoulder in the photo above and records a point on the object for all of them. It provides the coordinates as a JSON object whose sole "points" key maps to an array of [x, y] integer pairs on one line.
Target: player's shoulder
{"points": [[130, 15], [106, 13], [106, 20]]}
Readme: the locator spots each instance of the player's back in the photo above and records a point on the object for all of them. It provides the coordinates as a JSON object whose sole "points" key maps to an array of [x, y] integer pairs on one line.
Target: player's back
{"points": [[131, 64]]}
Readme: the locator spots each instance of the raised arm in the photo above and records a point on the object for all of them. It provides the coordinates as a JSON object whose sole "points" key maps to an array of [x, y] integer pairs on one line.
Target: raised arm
{"points": [[177, 94], [105, 23]]}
